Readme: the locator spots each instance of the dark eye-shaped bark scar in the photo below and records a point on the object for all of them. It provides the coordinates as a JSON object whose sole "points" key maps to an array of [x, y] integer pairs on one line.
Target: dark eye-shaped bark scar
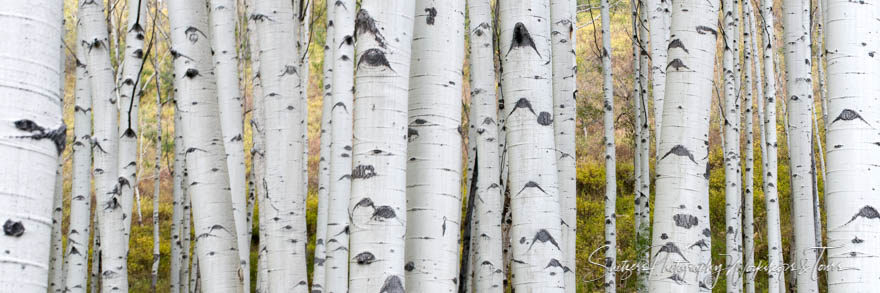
{"points": [[867, 212], [701, 244], [392, 285], [522, 103], [376, 58], [685, 221], [545, 119], [382, 213], [543, 236], [677, 44], [210, 232], [363, 172], [112, 204], [74, 251], [681, 151], [670, 247], [260, 17], [522, 38], [364, 23], [531, 184], [13, 228], [192, 34], [849, 115], [480, 28], [676, 64], [411, 134], [701, 29], [432, 13], [677, 279], [554, 263], [339, 3], [365, 202], [58, 136], [488, 121], [365, 258], [409, 267], [191, 73], [288, 70]]}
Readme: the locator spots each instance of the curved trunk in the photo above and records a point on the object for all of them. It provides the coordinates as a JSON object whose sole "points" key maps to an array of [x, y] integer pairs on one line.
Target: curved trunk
{"points": [[659, 19], [433, 170], [525, 47], [324, 183], [217, 251], [284, 194], [610, 155], [378, 187], [749, 184], [731, 148], [223, 44], [681, 228], [796, 21], [77, 257], [852, 194], [339, 157]]}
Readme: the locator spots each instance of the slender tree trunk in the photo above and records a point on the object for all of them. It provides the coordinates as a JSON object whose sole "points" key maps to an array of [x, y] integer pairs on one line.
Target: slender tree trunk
{"points": [[129, 103], [820, 62], [109, 203], [56, 257], [156, 192], [852, 197], [378, 191], [95, 281], [796, 21], [303, 28], [77, 254], [339, 157], [487, 261], [610, 156], [748, 193], [526, 52], [258, 149], [643, 230], [179, 240], [223, 44], [563, 18], [659, 19], [285, 199], [776, 281], [189, 255], [324, 182], [217, 249], [433, 170], [681, 228], [637, 133], [732, 173]]}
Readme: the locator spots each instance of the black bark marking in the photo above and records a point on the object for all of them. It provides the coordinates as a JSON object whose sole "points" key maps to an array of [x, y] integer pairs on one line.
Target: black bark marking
{"points": [[479, 30], [364, 23], [849, 115], [13, 228], [409, 266], [680, 150], [531, 184], [707, 232], [685, 221], [705, 29], [260, 17], [677, 279], [411, 134], [554, 263], [365, 202], [383, 212], [677, 44], [191, 73], [676, 64], [545, 119], [708, 171], [432, 13], [700, 244], [288, 70], [363, 172], [857, 240], [57, 136], [444, 226], [543, 236], [670, 247], [374, 57], [339, 104], [867, 212], [365, 258], [522, 38], [392, 285], [522, 103], [192, 34]]}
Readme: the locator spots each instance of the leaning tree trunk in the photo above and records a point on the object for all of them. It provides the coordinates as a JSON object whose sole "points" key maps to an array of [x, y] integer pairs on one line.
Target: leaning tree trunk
{"points": [[610, 155], [681, 230], [223, 44], [32, 137], [76, 259], [129, 101], [487, 261], [339, 157], [284, 194], [776, 279], [796, 21], [749, 184], [217, 251], [853, 195], [114, 276], [731, 148], [178, 257], [526, 54], [324, 183], [659, 19], [433, 170], [563, 18], [378, 188]]}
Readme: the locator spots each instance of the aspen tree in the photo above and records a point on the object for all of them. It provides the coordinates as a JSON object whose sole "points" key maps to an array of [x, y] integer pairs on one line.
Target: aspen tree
{"points": [[730, 116], [179, 240], [659, 19], [324, 183], [749, 183], [610, 155]]}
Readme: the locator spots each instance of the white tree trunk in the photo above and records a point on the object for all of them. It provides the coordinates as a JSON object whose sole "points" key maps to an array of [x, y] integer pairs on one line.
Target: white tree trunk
{"points": [[659, 19], [796, 21], [223, 44], [178, 257], [563, 18], [748, 192], [486, 261], [217, 250], [433, 170], [96, 256], [731, 148], [643, 218], [154, 270], [340, 155], [114, 276], [681, 228], [324, 182], [535, 230], [284, 211], [56, 257], [776, 279], [129, 101], [378, 192], [79, 228], [852, 194], [610, 155]]}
